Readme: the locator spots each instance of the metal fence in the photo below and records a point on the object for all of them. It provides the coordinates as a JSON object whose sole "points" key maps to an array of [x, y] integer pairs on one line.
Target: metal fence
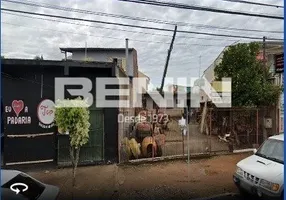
{"points": [[223, 130], [233, 129], [156, 135]]}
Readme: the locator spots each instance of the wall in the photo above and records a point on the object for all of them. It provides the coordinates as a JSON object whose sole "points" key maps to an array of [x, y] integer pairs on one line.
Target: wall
{"points": [[24, 83], [150, 103], [107, 56], [210, 75]]}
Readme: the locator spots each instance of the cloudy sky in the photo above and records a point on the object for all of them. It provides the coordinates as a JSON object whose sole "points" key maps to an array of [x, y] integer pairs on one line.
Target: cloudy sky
{"points": [[25, 36]]}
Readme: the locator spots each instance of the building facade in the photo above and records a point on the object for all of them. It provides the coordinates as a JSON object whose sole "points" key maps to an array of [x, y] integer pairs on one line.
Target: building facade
{"points": [[30, 134], [274, 52]]}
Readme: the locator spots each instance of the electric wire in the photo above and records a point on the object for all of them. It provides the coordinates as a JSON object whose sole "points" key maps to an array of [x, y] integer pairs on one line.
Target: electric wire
{"points": [[134, 26], [254, 3], [201, 8], [115, 29], [157, 21], [116, 38]]}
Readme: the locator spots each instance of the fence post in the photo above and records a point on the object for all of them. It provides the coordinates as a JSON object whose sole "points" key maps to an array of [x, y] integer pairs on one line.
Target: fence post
{"points": [[210, 131], [257, 126]]}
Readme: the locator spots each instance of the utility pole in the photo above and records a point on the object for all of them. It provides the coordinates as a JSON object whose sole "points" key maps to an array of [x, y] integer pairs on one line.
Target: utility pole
{"points": [[200, 67], [167, 63], [168, 58], [85, 51], [265, 72], [264, 51]]}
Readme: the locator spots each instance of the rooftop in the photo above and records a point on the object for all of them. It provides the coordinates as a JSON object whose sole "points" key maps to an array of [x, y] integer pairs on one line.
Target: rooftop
{"points": [[73, 49], [70, 63], [141, 74], [271, 47]]}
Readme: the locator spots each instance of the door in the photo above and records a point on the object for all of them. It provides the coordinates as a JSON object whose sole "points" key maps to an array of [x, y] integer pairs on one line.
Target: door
{"points": [[91, 152]]}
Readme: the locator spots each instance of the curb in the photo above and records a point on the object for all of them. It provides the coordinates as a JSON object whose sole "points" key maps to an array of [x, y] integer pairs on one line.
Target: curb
{"points": [[165, 159], [181, 157]]}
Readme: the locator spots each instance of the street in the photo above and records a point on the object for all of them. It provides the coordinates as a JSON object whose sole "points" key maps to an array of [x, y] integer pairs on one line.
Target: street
{"points": [[162, 180], [231, 196]]}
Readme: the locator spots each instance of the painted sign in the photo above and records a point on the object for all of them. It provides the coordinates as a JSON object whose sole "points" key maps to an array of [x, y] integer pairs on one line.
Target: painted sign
{"points": [[14, 111], [46, 113], [279, 63]]}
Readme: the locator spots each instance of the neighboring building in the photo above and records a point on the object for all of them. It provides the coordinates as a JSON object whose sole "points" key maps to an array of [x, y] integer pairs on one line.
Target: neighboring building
{"points": [[30, 135], [142, 75], [151, 104], [174, 90], [105, 55], [274, 58], [272, 49], [177, 88]]}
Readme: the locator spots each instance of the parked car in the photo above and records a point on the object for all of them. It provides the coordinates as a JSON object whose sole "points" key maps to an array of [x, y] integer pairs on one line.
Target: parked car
{"points": [[262, 174], [16, 185]]}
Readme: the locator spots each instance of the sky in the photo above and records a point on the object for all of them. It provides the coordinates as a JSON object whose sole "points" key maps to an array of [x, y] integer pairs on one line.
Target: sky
{"points": [[26, 37]]}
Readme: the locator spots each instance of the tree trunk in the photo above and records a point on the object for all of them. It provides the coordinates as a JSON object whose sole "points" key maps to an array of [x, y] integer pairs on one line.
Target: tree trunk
{"points": [[72, 161], [75, 164], [74, 155]]}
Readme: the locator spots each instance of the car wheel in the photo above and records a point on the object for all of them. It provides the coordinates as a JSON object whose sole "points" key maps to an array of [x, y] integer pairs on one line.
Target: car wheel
{"points": [[243, 193]]}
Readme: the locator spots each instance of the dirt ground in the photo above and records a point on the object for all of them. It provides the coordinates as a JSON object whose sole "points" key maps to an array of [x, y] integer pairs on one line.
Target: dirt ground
{"points": [[161, 180]]}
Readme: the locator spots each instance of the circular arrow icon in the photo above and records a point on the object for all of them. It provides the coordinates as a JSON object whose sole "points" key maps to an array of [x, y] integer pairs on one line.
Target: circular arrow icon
{"points": [[16, 190]]}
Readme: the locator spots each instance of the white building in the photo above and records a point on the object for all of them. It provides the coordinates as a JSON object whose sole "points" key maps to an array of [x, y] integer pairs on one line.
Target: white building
{"points": [[272, 49]]}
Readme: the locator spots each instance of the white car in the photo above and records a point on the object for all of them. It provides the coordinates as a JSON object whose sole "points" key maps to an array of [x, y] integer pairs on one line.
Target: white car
{"points": [[262, 174]]}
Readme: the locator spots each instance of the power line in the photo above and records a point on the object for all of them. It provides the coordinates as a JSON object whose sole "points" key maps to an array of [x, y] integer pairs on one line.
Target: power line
{"points": [[134, 26], [201, 8], [124, 30], [255, 3], [116, 38], [157, 21]]}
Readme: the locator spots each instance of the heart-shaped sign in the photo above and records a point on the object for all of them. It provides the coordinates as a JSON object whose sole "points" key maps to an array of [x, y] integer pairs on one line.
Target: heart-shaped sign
{"points": [[18, 106]]}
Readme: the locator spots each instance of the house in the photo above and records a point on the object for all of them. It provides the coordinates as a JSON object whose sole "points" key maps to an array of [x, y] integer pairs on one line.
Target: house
{"points": [[142, 75], [106, 55], [30, 135], [173, 108], [274, 56]]}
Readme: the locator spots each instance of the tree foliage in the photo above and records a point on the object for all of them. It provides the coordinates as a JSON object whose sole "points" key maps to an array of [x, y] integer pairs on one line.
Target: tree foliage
{"points": [[250, 78], [38, 58], [72, 117]]}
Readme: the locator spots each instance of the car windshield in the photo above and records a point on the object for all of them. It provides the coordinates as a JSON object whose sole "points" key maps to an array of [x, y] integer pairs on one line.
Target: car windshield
{"points": [[273, 150]]}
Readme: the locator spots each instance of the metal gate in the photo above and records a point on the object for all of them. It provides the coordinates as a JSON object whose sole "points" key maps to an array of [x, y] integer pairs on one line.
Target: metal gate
{"points": [[93, 151]]}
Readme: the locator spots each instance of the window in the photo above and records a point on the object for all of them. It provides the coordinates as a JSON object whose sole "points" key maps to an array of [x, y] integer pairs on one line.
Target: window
{"points": [[273, 150]]}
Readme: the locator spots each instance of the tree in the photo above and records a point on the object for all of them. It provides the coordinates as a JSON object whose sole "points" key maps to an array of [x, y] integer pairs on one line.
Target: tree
{"points": [[72, 118], [39, 57], [250, 78], [2, 57]]}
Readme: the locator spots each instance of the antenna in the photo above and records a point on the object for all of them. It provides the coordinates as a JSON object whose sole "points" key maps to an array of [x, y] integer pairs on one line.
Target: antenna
{"points": [[200, 66], [85, 52]]}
